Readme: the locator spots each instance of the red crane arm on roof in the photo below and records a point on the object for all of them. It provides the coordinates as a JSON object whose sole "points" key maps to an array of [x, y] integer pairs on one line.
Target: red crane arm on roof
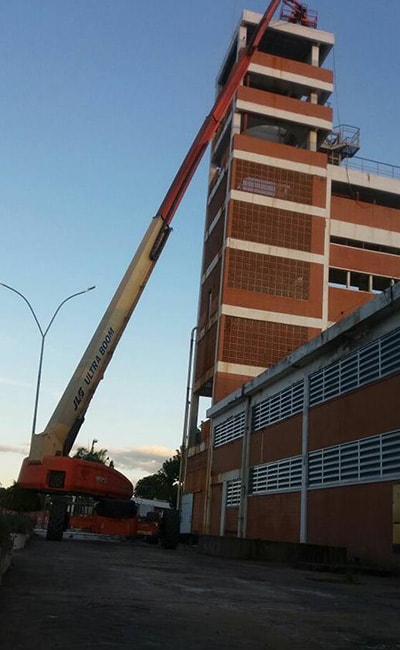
{"points": [[211, 123]]}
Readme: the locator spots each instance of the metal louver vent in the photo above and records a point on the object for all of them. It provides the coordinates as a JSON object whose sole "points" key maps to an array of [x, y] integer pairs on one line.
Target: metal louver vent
{"points": [[278, 407], [369, 459], [230, 429], [367, 364]]}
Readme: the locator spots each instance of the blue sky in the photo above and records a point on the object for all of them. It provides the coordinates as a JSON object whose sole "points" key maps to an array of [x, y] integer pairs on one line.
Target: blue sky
{"points": [[100, 101]]}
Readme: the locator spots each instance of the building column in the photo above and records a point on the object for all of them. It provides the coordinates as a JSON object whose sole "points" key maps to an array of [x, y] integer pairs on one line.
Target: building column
{"points": [[312, 134], [312, 141], [315, 54], [304, 452]]}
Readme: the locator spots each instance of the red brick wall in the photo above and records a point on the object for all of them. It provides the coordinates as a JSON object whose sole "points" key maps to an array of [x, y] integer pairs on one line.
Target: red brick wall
{"points": [[358, 517], [195, 482], [354, 259], [196, 472], [205, 429], [284, 103], [283, 151], [231, 521], [225, 383], [217, 201], [359, 414], [213, 244], [365, 214], [211, 283], [258, 343], [197, 513], [343, 301], [271, 181], [266, 225], [215, 508], [205, 352], [294, 67], [276, 441], [275, 517], [260, 273], [227, 457], [281, 304]]}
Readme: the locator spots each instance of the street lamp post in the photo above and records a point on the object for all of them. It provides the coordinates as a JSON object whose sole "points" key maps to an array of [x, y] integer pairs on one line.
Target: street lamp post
{"points": [[43, 334], [185, 434]]}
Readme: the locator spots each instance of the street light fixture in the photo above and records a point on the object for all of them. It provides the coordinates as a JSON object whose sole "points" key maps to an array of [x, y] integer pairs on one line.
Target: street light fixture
{"points": [[43, 333]]}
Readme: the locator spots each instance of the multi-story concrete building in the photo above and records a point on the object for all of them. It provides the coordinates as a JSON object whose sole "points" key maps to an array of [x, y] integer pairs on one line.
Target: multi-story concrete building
{"points": [[293, 222], [299, 231]]}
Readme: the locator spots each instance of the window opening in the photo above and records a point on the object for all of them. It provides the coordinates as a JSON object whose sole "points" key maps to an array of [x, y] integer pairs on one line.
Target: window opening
{"points": [[357, 281], [369, 246]]}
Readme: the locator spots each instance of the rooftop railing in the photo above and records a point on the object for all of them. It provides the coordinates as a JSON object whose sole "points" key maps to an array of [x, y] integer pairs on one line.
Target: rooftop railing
{"points": [[371, 167]]}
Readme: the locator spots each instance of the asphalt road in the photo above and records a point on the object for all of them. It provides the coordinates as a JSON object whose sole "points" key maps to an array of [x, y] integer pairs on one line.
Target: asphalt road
{"points": [[79, 595]]}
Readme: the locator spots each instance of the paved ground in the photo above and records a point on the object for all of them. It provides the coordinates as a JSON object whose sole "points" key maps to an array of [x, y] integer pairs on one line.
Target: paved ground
{"points": [[79, 595]]}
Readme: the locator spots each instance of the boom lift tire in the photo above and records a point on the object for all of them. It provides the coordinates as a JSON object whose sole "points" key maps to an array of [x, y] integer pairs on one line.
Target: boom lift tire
{"points": [[169, 529], [57, 521]]}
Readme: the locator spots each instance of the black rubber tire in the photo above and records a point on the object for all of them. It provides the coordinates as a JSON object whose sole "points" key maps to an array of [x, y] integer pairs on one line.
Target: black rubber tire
{"points": [[57, 519], [152, 539], [169, 529]]}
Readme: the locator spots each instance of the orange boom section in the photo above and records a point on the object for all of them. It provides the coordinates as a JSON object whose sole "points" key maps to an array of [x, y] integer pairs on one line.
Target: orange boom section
{"points": [[74, 476]]}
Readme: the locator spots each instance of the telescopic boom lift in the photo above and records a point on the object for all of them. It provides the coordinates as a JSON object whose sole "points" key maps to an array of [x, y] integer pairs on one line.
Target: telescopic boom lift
{"points": [[48, 468]]}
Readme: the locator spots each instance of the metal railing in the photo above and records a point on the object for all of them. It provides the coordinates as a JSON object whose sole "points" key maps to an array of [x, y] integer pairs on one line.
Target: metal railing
{"points": [[371, 167]]}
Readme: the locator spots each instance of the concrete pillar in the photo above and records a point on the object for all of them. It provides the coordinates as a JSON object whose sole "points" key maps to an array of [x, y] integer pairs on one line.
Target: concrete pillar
{"points": [[315, 54], [312, 141]]}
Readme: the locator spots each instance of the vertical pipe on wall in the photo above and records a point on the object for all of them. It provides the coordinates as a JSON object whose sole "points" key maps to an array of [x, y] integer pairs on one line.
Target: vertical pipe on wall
{"points": [[208, 486], [244, 473], [325, 280], [185, 432], [223, 509], [304, 451]]}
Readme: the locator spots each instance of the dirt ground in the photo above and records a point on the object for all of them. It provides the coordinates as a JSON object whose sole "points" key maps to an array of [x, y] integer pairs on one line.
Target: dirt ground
{"points": [[79, 595]]}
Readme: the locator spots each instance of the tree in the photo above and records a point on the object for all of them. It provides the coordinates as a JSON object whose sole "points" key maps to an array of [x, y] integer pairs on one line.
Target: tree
{"points": [[96, 456], [170, 469], [151, 487], [163, 484]]}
